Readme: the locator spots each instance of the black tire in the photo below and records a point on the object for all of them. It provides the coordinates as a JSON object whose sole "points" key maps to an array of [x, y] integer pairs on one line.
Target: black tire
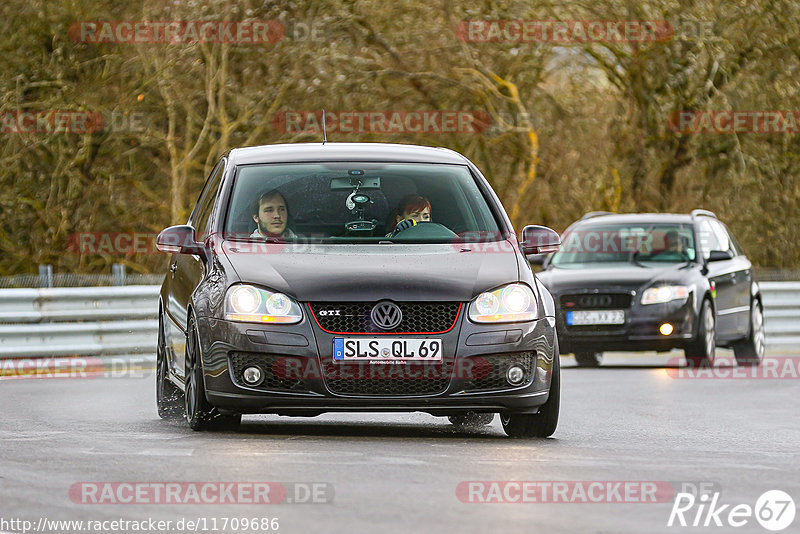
{"points": [[198, 412], [701, 351], [544, 423], [750, 351], [471, 419], [169, 398], [589, 359]]}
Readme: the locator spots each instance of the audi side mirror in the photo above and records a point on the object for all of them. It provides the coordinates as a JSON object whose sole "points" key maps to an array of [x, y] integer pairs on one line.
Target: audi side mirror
{"points": [[720, 255], [179, 240], [539, 240]]}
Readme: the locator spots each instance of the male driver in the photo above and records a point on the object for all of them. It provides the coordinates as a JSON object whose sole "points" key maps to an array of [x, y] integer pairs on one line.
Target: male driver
{"points": [[271, 216], [674, 242]]}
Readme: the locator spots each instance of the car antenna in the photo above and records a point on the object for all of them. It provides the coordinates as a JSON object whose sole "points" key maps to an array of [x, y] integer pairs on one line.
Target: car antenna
{"points": [[324, 136]]}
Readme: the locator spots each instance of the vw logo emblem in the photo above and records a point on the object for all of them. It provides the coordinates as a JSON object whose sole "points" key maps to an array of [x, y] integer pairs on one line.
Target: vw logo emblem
{"points": [[386, 315]]}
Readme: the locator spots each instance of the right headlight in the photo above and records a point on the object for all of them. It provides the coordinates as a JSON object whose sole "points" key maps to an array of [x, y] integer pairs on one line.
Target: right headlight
{"points": [[661, 294], [508, 304], [250, 304]]}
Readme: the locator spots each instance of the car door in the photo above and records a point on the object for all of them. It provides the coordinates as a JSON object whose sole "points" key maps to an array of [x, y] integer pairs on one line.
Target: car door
{"points": [[186, 271], [723, 276], [742, 279]]}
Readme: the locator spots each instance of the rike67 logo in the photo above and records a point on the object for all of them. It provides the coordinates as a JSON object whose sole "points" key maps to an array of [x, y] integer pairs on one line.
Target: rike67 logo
{"points": [[774, 510]]}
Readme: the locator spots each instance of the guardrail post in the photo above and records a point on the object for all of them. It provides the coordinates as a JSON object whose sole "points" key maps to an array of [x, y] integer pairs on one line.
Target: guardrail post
{"points": [[46, 275], [118, 272]]}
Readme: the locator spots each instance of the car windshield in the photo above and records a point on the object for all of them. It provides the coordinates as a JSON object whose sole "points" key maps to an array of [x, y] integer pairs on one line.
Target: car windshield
{"points": [[645, 245], [358, 203]]}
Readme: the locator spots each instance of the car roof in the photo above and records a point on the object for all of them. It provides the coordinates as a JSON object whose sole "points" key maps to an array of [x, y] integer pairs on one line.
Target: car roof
{"points": [[308, 152], [628, 218]]}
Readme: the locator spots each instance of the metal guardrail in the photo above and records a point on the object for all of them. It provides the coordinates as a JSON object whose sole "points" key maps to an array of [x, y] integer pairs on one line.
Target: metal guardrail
{"points": [[91, 321], [112, 321], [781, 313]]}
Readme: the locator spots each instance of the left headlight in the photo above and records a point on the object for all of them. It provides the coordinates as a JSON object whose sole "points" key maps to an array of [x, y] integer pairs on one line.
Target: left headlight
{"points": [[508, 304], [250, 304], [661, 294]]}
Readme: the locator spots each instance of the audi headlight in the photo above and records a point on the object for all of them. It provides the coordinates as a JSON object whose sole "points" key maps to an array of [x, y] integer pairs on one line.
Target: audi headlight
{"points": [[509, 304], [661, 294], [250, 304]]}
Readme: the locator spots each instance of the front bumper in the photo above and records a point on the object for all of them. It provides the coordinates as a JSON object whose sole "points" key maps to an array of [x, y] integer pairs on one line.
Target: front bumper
{"points": [[470, 351], [639, 332]]}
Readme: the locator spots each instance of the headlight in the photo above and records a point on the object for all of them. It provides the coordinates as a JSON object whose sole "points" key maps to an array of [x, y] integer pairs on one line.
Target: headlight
{"points": [[660, 294], [253, 305], [509, 304]]}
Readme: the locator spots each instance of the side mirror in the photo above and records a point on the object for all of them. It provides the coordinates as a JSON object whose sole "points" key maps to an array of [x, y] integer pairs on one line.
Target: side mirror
{"points": [[179, 240], [720, 255], [539, 240]]}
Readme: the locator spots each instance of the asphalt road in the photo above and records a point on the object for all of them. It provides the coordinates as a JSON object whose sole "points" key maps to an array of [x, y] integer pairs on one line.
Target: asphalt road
{"points": [[627, 421]]}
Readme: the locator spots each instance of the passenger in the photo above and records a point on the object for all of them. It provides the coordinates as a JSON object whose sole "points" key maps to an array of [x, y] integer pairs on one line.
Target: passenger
{"points": [[412, 209], [271, 215]]}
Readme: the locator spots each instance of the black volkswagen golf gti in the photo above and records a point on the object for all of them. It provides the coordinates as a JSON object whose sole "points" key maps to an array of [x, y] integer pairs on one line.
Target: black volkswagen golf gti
{"points": [[313, 278], [654, 282]]}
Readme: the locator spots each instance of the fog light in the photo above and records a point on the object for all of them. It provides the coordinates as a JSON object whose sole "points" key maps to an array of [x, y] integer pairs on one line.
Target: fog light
{"points": [[665, 329], [252, 376], [515, 375]]}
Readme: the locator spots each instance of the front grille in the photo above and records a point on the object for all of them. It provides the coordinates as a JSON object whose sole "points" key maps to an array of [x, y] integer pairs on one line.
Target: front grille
{"points": [[596, 301], [354, 317], [488, 372], [381, 380], [281, 373]]}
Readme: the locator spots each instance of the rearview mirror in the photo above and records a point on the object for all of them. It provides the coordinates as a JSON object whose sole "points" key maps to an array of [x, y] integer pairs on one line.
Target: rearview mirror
{"points": [[539, 240], [179, 240]]}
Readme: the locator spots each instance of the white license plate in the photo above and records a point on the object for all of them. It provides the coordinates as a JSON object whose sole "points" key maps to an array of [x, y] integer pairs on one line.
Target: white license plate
{"points": [[387, 349], [581, 318]]}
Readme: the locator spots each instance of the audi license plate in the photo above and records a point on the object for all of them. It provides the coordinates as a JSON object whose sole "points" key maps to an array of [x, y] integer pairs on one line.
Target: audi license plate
{"points": [[582, 318], [387, 349]]}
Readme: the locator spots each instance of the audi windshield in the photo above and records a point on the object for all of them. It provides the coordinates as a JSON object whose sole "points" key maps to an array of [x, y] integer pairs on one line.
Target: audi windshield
{"points": [[618, 245]]}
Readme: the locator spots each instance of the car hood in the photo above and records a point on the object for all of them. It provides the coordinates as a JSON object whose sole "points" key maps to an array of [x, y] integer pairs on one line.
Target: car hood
{"points": [[372, 272], [632, 277]]}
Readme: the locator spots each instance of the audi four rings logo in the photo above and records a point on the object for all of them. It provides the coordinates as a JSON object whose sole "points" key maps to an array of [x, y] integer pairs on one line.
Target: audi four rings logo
{"points": [[595, 300], [330, 312], [386, 315]]}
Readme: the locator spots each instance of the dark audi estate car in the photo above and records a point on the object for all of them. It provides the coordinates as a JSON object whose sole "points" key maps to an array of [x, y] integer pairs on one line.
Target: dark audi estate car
{"points": [[313, 278], [654, 282]]}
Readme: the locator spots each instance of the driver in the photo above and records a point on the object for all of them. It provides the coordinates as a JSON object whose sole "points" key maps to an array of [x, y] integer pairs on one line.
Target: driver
{"points": [[674, 247], [411, 210], [271, 216], [674, 242]]}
